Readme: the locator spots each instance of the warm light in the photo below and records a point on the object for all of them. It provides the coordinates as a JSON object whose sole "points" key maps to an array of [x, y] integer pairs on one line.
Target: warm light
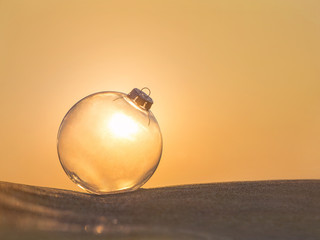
{"points": [[123, 126]]}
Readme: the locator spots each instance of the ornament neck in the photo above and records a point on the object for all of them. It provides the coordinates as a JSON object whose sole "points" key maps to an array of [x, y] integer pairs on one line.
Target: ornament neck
{"points": [[140, 98]]}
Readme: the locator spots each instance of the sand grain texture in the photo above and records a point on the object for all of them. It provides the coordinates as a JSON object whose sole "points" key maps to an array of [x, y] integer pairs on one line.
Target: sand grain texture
{"points": [[236, 210]]}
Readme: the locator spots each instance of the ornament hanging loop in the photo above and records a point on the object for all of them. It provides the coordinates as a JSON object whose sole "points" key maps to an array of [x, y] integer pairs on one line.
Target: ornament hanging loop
{"points": [[147, 89]]}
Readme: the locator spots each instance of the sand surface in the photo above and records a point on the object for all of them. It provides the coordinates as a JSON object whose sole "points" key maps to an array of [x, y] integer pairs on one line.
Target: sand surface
{"points": [[237, 210]]}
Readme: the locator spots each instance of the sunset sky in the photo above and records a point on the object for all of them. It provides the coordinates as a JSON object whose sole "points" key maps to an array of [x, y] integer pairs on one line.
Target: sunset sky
{"points": [[235, 84]]}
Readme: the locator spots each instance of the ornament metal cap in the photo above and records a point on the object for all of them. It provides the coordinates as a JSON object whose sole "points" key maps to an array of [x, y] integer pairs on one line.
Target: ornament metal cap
{"points": [[140, 98]]}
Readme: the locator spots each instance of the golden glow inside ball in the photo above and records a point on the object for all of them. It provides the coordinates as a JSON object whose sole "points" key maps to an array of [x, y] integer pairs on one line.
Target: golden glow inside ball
{"points": [[110, 142]]}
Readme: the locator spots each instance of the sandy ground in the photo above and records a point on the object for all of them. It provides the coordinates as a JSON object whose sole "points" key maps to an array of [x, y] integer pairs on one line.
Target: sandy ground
{"points": [[236, 210]]}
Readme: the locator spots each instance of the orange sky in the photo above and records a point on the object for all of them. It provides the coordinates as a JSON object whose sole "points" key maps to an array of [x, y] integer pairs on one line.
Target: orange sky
{"points": [[236, 84]]}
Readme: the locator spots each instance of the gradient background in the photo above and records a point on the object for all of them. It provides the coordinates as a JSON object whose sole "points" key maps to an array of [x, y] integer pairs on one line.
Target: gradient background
{"points": [[236, 84]]}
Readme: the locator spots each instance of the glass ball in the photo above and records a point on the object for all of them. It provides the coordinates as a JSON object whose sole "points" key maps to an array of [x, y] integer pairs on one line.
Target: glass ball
{"points": [[107, 143]]}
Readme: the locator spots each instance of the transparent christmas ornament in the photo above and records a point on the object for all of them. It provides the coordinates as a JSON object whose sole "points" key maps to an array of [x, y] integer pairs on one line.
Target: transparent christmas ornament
{"points": [[110, 142]]}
